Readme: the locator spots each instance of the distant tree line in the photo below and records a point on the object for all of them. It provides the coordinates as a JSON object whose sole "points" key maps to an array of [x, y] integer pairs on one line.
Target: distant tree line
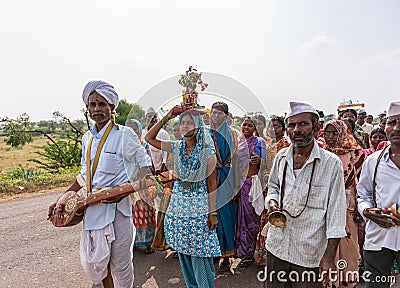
{"points": [[63, 150]]}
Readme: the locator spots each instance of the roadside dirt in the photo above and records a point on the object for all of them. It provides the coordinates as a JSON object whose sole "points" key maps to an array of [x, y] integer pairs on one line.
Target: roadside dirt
{"points": [[36, 254]]}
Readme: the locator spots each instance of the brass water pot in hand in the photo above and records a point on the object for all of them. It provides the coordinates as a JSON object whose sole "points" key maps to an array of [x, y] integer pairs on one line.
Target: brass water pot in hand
{"points": [[393, 209], [277, 219]]}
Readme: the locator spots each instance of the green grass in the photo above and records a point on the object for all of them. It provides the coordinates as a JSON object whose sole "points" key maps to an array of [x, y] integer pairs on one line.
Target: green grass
{"points": [[37, 182]]}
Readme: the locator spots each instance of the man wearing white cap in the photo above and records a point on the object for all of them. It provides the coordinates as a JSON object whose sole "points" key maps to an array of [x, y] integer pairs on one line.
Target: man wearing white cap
{"points": [[379, 188], [108, 231], [307, 184], [361, 115], [159, 157]]}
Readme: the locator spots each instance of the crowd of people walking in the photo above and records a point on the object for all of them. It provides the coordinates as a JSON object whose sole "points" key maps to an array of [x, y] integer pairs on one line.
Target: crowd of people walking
{"points": [[335, 183]]}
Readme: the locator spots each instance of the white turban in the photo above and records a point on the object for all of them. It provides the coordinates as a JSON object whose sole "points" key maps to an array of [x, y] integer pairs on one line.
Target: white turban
{"points": [[296, 108], [103, 89], [394, 109], [151, 110]]}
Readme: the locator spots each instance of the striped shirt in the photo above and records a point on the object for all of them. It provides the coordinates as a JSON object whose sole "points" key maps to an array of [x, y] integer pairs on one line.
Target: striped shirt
{"points": [[304, 239]]}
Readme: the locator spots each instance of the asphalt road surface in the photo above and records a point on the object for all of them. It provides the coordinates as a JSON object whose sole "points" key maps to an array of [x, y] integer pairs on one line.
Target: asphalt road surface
{"points": [[33, 253]]}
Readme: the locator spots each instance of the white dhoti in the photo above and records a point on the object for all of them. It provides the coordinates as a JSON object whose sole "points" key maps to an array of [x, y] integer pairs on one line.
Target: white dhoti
{"points": [[112, 244]]}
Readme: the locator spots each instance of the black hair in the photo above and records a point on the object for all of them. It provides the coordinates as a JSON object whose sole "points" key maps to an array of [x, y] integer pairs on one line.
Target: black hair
{"points": [[221, 106], [354, 112], [254, 120], [352, 123], [377, 130], [314, 120], [280, 120]]}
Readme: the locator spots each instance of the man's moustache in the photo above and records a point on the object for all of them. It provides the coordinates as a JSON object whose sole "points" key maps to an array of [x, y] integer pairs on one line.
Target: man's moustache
{"points": [[298, 135]]}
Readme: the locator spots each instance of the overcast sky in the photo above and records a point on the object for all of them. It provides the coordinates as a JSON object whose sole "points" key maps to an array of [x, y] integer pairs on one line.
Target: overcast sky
{"points": [[316, 51]]}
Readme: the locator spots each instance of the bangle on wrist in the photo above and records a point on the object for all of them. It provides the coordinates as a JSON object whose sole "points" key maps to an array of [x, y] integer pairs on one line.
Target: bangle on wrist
{"points": [[166, 118], [79, 214], [212, 214]]}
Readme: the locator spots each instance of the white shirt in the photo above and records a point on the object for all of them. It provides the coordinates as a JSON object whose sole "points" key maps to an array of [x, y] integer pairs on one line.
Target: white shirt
{"points": [[304, 239], [387, 193], [367, 127], [119, 159], [159, 157]]}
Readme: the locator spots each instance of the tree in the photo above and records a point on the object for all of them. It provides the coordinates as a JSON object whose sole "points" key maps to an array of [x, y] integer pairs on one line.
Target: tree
{"points": [[63, 153], [329, 117], [127, 110], [19, 131], [47, 126]]}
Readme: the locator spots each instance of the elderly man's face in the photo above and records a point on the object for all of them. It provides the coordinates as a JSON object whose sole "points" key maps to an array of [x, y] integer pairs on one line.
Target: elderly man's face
{"points": [[99, 109], [392, 129], [151, 119], [300, 130]]}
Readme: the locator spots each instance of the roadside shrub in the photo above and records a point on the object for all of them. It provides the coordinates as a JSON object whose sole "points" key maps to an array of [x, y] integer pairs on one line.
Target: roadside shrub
{"points": [[19, 181]]}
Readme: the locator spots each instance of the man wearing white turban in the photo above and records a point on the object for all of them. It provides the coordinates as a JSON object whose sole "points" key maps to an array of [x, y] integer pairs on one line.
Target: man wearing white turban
{"points": [[108, 231], [103, 89], [159, 157]]}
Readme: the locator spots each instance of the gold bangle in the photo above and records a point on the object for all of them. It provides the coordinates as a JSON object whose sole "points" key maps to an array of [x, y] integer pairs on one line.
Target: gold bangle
{"points": [[212, 214]]}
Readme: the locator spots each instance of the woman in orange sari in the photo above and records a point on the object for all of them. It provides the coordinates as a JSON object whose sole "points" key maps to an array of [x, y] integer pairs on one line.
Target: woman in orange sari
{"points": [[340, 141]]}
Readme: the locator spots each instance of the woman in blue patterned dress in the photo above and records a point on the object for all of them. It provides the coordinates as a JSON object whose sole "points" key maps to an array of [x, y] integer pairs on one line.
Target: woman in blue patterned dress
{"points": [[191, 217]]}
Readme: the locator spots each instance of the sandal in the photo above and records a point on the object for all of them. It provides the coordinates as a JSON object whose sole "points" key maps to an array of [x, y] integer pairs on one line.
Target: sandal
{"points": [[149, 250], [224, 265], [246, 262]]}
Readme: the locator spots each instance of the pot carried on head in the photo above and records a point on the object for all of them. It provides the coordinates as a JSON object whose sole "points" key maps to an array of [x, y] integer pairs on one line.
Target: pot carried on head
{"points": [[68, 216]]}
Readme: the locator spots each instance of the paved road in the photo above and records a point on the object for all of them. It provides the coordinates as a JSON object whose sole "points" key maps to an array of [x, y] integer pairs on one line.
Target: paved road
{"points": [[33, 253]]}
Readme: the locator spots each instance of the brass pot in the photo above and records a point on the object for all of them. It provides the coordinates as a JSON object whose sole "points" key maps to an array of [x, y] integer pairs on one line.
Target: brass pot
{"points": [[393, 209], [277, 219]]}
